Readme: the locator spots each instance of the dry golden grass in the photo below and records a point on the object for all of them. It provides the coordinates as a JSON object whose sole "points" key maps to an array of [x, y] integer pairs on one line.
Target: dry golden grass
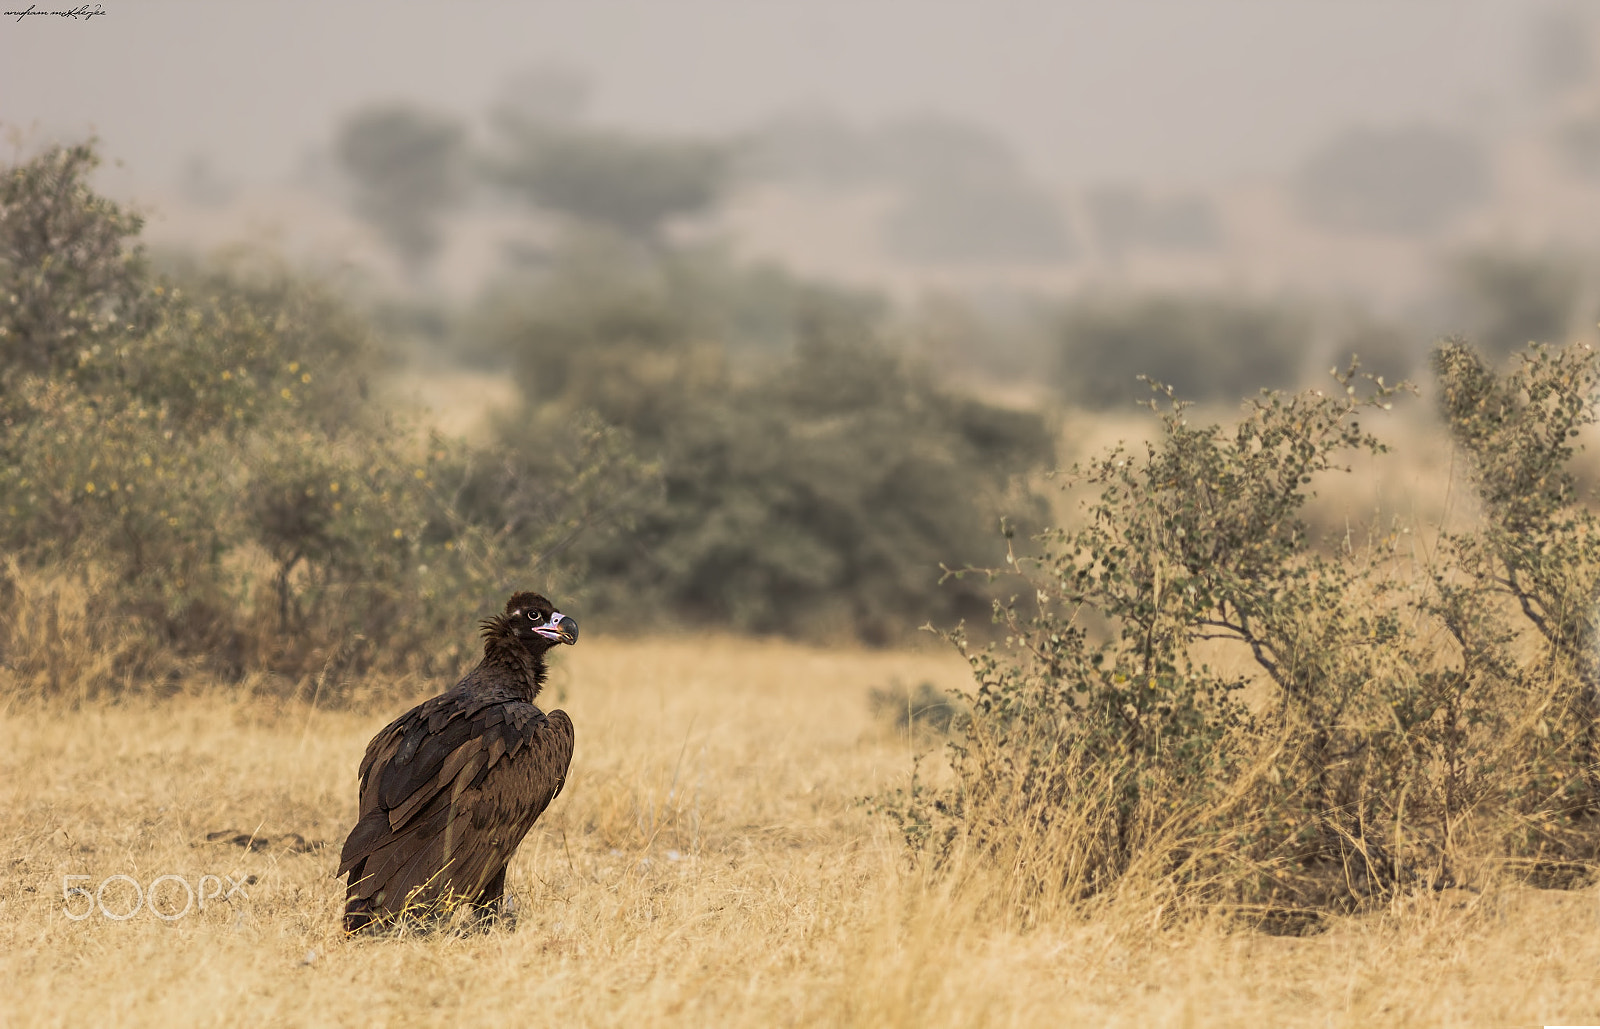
{"points": [[708, 864]]}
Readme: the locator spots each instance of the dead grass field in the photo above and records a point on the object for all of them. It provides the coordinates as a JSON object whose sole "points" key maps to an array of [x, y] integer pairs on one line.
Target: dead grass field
{"points": [[708, 864]]}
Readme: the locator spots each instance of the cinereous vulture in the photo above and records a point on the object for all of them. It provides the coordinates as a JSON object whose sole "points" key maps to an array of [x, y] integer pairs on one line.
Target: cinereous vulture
{"points": [[450, 788]]}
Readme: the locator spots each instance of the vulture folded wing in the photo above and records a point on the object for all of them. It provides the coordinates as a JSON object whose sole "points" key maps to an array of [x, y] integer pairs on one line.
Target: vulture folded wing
{"points": [[448, 794]]}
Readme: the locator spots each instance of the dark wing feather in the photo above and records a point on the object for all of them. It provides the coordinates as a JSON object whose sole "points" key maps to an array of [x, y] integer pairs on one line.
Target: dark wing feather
{"points": [[420, 758], [448, 791]]}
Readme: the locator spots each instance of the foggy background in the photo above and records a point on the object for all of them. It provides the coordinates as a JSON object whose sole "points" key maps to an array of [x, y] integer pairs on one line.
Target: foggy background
{"points": [[1161, 143], [807, 297]]}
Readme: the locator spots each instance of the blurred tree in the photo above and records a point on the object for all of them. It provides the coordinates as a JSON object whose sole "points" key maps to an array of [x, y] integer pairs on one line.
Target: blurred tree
{"points": [[606, 329], [1205, 347], [71, 273], [617, 326], [629, 184], [203, 447], [1001, 337], [407, 166], [813, 493], [1509, 300], [1402, 180], [822, 498]]}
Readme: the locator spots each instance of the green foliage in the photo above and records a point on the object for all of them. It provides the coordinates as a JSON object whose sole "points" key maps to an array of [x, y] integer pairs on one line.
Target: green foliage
{"points": [[813, 490], [82, 480], [215, 473], [641, 339], [1374, 716], [165, 456], [217, 462], [1205, 346], [823, 497], [1537, 548], [531, 503], [376, 542], [1197, 539], [70, 278], [629, 184]]}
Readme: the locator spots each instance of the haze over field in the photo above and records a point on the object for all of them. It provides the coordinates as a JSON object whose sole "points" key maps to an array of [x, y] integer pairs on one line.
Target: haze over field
{"points": [[1228, 144], [1170, 90]]}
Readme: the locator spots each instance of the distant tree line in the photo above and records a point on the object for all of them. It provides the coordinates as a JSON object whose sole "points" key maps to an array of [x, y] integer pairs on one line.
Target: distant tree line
{"points": [[198, 447]]}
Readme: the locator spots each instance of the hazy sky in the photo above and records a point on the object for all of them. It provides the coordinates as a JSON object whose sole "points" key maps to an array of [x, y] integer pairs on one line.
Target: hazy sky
{"points": [[1177, 91]]}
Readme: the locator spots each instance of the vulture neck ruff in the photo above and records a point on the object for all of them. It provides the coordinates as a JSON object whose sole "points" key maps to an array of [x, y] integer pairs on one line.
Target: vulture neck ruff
{"points": [[503, 651]]}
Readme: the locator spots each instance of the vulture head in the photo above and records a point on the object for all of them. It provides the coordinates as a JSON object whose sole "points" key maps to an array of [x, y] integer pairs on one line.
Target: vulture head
{"points": [[531, 621]]}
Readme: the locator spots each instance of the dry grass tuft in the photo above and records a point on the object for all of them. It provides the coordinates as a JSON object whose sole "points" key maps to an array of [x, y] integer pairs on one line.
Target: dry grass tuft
{"points": [[53, 642], [708, 864]]}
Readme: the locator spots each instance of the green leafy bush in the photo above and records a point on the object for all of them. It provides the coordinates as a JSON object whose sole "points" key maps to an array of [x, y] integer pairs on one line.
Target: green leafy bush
{"points": [[70, 277], [1193, 695], [217, 460], [812, 491], [1531, 569], [215, 472]]}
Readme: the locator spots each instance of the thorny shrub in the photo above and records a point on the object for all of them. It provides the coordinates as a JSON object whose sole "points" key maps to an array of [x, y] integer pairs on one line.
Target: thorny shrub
{"points": [[1194, 693], [1530, 573], [197, 456]]}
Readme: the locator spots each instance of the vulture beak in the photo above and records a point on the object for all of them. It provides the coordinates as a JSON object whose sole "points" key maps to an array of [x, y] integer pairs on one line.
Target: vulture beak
{"points": [[561, 629]]}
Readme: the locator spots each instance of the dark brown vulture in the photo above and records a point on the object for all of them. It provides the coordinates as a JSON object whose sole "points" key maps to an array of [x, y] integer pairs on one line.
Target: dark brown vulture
{"points": [[450, 788]]}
